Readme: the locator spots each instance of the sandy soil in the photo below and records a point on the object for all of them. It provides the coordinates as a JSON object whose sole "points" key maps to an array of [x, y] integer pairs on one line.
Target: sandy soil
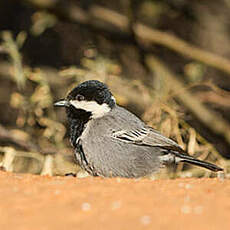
{"points": [[38, 202]]}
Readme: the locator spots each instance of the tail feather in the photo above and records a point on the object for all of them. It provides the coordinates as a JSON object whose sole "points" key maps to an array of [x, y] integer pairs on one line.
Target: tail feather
{"points": [[191, 160]]}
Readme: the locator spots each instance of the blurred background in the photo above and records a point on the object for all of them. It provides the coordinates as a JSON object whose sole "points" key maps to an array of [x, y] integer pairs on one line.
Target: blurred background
{"points": [[168, 61]]}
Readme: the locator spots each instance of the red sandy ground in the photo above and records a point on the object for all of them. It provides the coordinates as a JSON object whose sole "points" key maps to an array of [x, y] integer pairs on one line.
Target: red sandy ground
{"points": [[30, 202]]}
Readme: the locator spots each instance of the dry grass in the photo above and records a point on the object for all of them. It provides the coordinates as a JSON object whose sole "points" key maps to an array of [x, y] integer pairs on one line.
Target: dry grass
{"points": [[47, 151]]}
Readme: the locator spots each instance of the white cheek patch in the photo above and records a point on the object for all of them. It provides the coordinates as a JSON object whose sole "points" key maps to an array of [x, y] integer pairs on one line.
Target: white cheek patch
{"points": [[96, 109], [113, 98]]}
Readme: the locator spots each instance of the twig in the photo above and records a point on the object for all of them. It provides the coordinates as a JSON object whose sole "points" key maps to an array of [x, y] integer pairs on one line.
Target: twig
{"points": [[214, 98], [53, 80], [111, 21], [7, 137], [7, 162], [182, 47], [209, 118], [12, 49], [47, 168], [120, 86]]}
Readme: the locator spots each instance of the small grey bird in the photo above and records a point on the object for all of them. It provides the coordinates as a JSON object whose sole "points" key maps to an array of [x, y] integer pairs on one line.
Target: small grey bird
{"points": [[110, 141]]}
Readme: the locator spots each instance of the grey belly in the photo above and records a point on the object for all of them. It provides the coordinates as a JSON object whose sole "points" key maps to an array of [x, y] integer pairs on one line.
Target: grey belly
{"points": [[118, 159]]}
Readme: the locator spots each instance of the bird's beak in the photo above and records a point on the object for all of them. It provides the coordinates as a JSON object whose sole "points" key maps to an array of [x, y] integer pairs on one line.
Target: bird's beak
{"points": [[62, 103]]}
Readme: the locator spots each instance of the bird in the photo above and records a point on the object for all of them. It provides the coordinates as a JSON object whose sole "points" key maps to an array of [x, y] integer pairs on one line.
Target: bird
{"points": [[110, 141]]}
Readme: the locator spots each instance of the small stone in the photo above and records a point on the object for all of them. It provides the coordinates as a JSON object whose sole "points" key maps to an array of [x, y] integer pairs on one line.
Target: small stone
{"points": [[116, 205], [181, 185], [188, 186], [186, 209], [82, 174], [85, 207], [198, 210], [145, 220], [57, 192]]}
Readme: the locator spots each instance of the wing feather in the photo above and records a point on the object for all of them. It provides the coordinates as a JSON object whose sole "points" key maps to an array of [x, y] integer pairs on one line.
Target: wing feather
{"points": [[146, 136]]}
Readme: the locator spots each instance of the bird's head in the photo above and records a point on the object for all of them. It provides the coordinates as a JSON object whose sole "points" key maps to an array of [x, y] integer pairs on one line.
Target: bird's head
{"points": [[90, 97]]}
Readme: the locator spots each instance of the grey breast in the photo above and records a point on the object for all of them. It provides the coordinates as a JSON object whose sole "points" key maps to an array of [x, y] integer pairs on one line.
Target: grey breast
{"points": [[112, 157]]}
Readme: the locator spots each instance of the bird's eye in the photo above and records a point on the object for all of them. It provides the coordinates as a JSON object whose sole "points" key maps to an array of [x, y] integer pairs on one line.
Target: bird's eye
{"points": [[80, 97]]}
